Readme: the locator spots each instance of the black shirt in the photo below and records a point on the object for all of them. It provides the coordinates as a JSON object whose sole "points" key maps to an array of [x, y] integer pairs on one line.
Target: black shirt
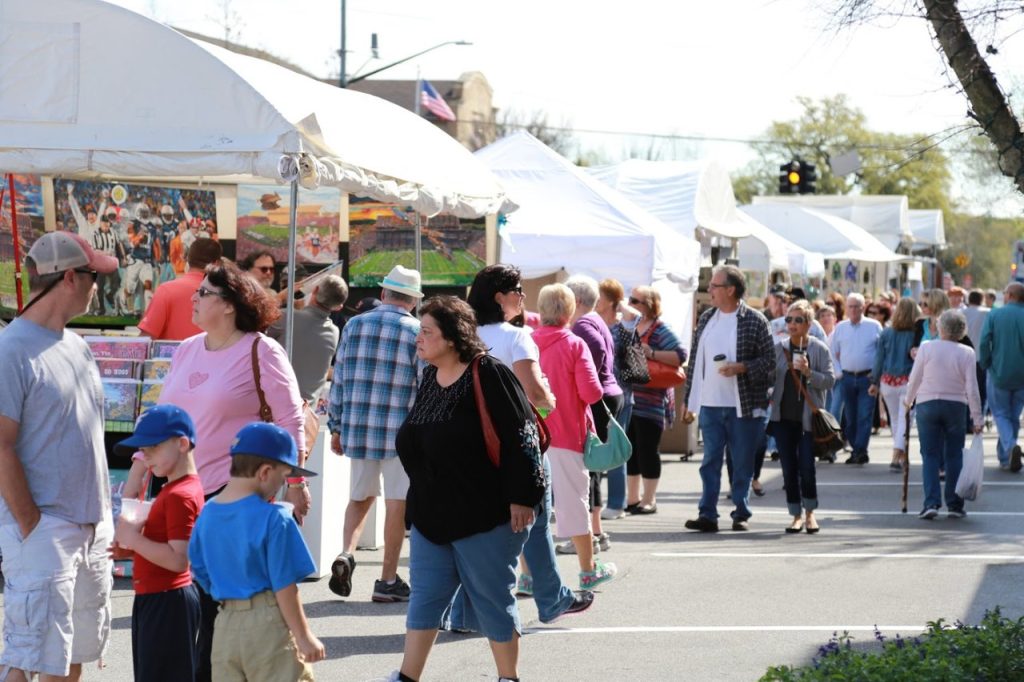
{"points": [[454, 490]]}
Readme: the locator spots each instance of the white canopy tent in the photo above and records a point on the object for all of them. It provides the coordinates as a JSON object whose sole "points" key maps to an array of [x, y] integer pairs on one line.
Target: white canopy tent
{"points": [[883, 216], [766, 251], [73, 102], [186, 109], [928, 228], [686, 196], [834, 238], [569, 221]]}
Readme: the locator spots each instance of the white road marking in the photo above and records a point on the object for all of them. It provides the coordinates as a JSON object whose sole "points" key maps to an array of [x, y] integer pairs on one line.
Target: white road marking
{"points": [[840, 484], [825, 513], [1014, 558], [724, 628]]}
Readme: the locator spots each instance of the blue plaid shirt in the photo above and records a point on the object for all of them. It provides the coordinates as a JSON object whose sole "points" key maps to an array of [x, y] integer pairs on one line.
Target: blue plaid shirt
{"points": [[375, 380]]}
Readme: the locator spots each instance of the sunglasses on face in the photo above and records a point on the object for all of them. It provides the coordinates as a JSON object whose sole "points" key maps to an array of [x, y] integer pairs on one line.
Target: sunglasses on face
{"points": [[796, 318], [514, 290], [85, 271], [636, 301], [203, 292], [265, 269]]}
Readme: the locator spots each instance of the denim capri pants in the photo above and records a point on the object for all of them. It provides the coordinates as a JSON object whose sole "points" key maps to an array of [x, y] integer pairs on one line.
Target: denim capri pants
{"points": [[484, 564]]}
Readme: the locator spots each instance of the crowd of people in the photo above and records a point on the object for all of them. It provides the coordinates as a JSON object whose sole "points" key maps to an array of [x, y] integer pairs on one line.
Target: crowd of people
{"points": [[473, 419]]}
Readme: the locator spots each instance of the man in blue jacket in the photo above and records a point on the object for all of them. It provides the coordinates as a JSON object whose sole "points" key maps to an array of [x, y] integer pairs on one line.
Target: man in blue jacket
{"points": [[1001, 354]]}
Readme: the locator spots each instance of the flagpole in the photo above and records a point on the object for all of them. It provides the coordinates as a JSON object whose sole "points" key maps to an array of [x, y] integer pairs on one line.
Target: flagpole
{"points": [[419, 89]]}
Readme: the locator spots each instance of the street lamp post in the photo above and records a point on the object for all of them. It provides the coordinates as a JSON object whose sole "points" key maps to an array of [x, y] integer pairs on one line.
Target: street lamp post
{"points": [[404, 59]]}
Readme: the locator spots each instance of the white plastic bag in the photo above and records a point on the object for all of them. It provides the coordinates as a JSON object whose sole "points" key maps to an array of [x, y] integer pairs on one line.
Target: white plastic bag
{"points": [[968, 486]]}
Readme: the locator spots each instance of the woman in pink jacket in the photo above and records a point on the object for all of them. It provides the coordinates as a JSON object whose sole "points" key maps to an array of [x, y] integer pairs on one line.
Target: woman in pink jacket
{"points": [[567, 363]]}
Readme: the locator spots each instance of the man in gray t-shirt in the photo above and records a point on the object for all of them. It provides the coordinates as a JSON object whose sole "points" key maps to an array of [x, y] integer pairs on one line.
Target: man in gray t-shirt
{"points": [[55, 525]]}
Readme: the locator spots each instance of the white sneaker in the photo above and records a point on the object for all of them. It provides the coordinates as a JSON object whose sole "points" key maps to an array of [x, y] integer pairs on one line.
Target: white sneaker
{"points": [[569, 547], [609, 514]]}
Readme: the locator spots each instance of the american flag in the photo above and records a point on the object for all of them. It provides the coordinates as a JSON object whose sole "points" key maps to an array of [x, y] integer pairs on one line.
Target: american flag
{"points": [[434, 103]]}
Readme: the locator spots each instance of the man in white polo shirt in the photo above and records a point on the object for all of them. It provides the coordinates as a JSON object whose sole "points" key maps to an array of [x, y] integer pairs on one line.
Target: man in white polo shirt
{"points": [[853, 345]]}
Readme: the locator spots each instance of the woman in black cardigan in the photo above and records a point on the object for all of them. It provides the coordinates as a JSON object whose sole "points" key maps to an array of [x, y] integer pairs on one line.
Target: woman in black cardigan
{"points": [[469, 516]]}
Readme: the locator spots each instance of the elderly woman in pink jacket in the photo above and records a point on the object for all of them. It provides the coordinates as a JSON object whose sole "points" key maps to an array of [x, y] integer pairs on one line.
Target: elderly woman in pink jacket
{"points": [[567, 363]]}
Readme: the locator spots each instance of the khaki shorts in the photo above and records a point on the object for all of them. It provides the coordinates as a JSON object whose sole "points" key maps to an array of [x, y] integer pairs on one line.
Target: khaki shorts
{"points": [[252, 643], [57, 594], [365, 478]]}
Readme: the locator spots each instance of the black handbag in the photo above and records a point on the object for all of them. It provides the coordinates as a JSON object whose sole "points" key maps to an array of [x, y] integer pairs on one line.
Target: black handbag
{"points": [[825, 429], [629, 356]]}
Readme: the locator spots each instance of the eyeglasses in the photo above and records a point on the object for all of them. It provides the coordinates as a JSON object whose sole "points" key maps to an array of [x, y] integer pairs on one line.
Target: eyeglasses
{"points": [[86, 271], [514, 290], [636, 301], [798, 319], [265, 269], [718, 286], [203, 292]]}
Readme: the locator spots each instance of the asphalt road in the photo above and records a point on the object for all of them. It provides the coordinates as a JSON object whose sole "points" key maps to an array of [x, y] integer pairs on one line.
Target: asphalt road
{"points": [[725, 606]]}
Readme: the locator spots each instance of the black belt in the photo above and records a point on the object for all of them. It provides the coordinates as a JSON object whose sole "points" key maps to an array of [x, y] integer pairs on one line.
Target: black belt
{"points": [[858, 374]]}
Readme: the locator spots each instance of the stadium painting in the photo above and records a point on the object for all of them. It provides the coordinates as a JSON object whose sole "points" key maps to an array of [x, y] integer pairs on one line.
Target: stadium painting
{"points": [[381, 235], [263, 218]]}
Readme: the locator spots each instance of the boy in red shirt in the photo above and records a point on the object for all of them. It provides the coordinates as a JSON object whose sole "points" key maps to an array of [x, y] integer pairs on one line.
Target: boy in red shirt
{"points": [[165, 615]]}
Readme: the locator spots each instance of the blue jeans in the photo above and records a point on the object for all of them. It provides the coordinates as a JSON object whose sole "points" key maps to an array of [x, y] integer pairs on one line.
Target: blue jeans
{"points": [[551, 595], [859, 408], [483, 564], [941, 426], [722, 427], [796, 450], [1006, 405], [617, 476]]}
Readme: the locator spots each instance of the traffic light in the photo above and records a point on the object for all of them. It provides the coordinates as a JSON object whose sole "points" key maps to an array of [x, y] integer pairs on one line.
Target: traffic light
{"points": [[808, 176], [790, 177], [797, 177]]}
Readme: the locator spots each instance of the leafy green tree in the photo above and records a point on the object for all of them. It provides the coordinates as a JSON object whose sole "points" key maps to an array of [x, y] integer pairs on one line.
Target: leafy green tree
{"points": [[890, 164]]}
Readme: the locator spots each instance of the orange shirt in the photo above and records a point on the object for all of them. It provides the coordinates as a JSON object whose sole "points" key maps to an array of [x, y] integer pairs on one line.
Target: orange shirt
{"points": [[169, 315], [177, 256]]}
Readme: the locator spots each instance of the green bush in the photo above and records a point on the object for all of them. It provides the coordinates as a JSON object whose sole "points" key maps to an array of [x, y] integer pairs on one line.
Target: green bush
{"points": [[992, 651]]}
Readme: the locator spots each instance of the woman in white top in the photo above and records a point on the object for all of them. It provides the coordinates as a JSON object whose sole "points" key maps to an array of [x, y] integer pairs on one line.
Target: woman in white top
{"points": [[496, 297], [945, 385]]}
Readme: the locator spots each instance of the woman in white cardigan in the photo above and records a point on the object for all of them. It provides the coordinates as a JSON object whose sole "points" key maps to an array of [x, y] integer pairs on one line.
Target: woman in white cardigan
{"points": [[945, 385]]}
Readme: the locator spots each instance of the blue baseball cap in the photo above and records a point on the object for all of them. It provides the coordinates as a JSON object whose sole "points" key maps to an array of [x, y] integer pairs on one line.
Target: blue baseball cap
{"points": [[269, 441], [156, 425]]}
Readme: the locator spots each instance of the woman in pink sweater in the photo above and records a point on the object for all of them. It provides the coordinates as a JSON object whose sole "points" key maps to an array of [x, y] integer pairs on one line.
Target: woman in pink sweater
{"points": [[567, 363], [212, 377], [945, 385]]}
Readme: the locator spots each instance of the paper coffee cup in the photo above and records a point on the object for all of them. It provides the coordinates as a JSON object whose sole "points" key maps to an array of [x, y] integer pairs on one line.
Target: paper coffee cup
{"points": [[719, 361]]}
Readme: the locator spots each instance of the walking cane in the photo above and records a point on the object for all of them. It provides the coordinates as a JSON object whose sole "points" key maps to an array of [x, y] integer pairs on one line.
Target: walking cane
{"points": [[906, 461]]}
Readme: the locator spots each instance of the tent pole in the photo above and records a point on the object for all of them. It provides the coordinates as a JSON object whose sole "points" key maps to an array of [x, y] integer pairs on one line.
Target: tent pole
{"points": [[418, 244], [290, 301], [14, 234]]}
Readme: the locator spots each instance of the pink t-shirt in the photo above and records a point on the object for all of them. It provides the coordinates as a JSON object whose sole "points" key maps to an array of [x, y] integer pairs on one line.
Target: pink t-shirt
{"points": [[218, 391]]}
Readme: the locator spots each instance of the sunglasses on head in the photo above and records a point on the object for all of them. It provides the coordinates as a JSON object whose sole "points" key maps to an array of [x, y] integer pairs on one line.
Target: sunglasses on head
{"points": [[203, 292], [799, 319], [85, 271]]}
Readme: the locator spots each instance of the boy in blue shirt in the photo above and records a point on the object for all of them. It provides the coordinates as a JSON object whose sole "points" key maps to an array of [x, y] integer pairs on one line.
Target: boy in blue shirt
{"points": [[249, 555]]}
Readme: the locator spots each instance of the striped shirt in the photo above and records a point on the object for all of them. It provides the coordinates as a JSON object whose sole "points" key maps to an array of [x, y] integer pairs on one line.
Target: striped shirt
{"points": [[105, 242], [375, 381]]}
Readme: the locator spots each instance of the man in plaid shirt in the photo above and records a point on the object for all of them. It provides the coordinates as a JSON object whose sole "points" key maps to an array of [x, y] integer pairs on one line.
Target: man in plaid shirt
{"points": [[732, 367], [373, 389]]}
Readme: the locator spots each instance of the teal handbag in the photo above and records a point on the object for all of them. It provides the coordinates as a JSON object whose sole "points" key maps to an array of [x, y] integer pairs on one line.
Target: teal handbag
{"points": [[599, 457]]}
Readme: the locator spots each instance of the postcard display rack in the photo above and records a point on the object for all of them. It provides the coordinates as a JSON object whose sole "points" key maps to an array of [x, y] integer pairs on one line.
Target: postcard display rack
{"points": [[132, 369]]}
